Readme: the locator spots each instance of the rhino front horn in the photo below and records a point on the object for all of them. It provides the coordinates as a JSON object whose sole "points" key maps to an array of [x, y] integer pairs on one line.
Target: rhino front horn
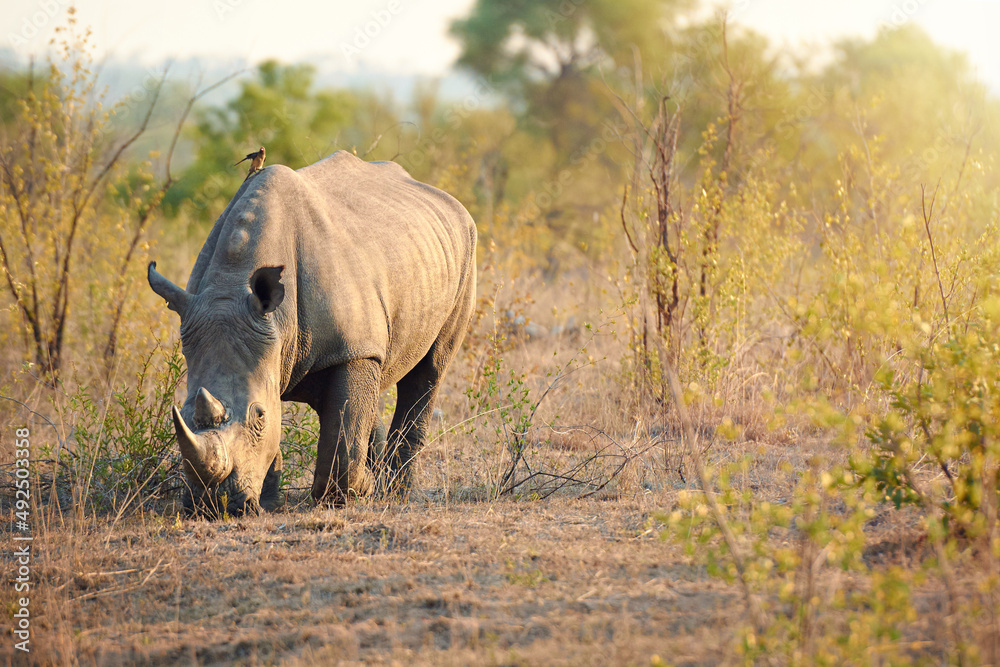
{"points": [[205, 453], [208, 410]]}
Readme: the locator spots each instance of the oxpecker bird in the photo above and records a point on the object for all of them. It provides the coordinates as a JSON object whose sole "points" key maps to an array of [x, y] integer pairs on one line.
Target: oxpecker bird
{"points": [[256, 162]]}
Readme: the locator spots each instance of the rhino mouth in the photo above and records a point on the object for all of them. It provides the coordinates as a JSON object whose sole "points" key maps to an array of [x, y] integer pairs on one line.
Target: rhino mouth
{"points": [[232, 497]]}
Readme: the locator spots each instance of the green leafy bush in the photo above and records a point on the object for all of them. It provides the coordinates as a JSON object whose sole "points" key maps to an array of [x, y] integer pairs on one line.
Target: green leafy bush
{"points": [[784, 554], [939, 443]]}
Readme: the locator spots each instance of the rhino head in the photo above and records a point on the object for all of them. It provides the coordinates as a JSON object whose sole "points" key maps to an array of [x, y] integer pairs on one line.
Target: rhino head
{"points": [[229, 428]]}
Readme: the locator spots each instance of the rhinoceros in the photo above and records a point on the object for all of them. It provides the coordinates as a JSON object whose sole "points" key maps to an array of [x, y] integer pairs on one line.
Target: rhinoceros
{"points": [[326, 286]]}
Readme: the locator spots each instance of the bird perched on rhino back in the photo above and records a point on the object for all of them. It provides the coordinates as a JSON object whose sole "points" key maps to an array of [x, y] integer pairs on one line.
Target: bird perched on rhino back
{"points": [[256, 162]]}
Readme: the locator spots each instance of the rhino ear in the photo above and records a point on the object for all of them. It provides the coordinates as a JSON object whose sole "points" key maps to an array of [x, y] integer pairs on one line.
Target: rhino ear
{"points": [[268, 292]]}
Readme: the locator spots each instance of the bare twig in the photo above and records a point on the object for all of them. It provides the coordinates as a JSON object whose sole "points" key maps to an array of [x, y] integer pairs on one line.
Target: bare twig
{"points": [[628, 234], [928, 215]]}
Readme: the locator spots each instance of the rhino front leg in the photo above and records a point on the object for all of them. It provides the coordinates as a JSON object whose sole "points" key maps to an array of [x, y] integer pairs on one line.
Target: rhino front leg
{"points": [[347, 414], [271, 491]]}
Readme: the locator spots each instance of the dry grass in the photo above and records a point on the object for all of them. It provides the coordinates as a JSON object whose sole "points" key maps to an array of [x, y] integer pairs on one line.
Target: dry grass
{"points": [[454, 576], [564, 581], [463, 583], [432, 581]]}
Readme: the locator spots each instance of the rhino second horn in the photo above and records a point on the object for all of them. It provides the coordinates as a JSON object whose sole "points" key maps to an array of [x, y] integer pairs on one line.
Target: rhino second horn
{"points": [[208, 410], [205, 453], [176, 297]]}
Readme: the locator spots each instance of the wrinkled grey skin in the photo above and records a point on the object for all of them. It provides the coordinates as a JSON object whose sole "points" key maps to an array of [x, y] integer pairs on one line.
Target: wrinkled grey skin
{"points": [[325, 285]]}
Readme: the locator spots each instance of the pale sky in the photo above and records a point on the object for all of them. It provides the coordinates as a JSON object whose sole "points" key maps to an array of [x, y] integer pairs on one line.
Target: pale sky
{"points": [[410, 36], [964, 25]]}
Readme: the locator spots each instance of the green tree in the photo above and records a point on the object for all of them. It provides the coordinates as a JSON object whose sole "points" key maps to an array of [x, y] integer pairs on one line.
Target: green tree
{"points": [[278, 109], [524, 43], [546, 55], [14, 86]]}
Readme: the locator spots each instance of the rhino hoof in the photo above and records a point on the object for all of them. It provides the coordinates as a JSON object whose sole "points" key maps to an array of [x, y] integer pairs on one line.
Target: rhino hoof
{"points": [[207, 505]]}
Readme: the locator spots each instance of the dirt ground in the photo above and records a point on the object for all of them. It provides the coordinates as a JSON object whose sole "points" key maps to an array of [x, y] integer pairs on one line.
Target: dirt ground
{"points": [[561, 581]]}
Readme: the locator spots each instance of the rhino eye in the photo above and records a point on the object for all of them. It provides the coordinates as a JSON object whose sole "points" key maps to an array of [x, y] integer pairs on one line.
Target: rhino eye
{"points": [[255, 418]]}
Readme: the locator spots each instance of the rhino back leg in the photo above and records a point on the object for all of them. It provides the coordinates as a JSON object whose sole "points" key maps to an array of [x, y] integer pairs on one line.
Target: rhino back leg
{"points": [[348, 412], [415, 396]]}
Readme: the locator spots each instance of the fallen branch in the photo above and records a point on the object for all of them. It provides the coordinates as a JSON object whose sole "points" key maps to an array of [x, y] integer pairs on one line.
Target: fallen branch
{"points": [[117, 591]]}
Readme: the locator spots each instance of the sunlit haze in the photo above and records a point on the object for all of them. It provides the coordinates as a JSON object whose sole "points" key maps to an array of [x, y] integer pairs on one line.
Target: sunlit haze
{"points": [[410, 37]]}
